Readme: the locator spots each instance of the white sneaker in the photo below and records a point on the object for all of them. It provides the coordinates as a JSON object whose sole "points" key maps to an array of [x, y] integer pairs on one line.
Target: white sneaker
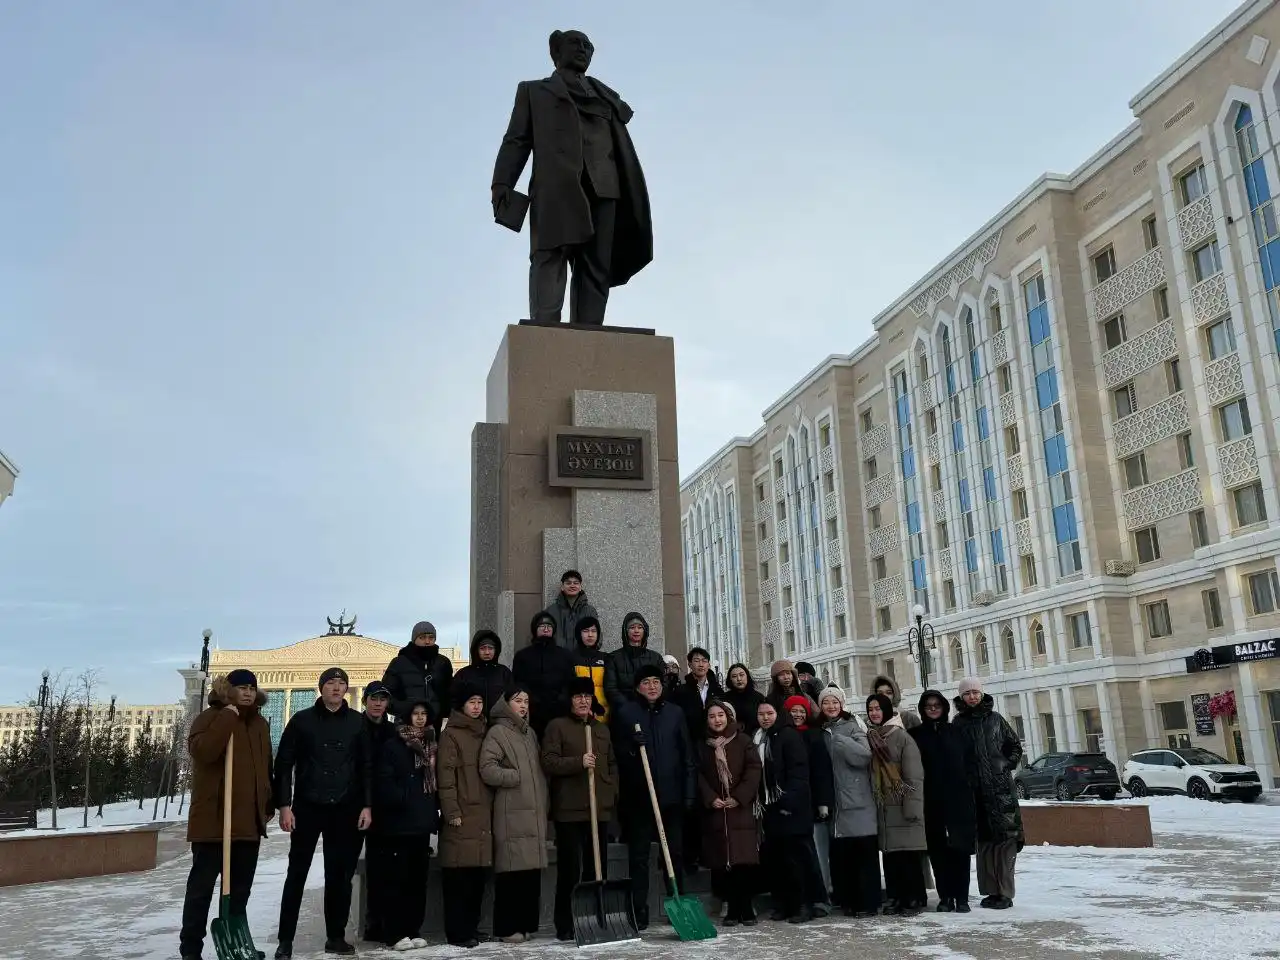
{"points": [[404, 943], [418, 943]]}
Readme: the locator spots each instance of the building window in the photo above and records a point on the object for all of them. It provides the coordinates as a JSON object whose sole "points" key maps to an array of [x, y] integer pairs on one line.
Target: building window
{"points": [[944, 538], [764, 570], [1161, 296], [1212, 608], [768, 610], [873, 517], [1029, 571], [1264, 592], [1273, 706], [829, 482], [1150, 238], [1186, 453], [1020, 510], [1206, 261], [787, 597], [1148, 544], [1158, 623], [1012, 444], [1104, 265], [886, 619], [824, 434], [1010, 647], [1233, 420], [1006, 379], [878, 569], [1220, 338], [1199, 529], [931, 421], [1173, 375], [1078, 627], [1135, 471], [984, 654], [957, 655], [784, 552], [833, 529], [865, 420], [1038, 645], [1050, 738], [1113, 331], [1125, 400], [871, 468], [790, 639], [837, 577], [760, 492], [842, 628], [949, 593], [1091, 721], [1173, 719], [1250, 507], [1193, 184]]}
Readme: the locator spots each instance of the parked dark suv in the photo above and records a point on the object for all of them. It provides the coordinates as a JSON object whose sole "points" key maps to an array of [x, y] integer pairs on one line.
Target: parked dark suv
{"points": [[1066, 776]]}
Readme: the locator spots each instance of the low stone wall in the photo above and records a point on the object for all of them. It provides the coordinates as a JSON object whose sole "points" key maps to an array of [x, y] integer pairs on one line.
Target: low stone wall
{"points": [[67, 855], [1094, 824]]}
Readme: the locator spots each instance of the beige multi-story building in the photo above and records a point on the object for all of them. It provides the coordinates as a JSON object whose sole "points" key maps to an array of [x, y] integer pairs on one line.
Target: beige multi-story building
{"points": [[1061, 444], [15, 721]]}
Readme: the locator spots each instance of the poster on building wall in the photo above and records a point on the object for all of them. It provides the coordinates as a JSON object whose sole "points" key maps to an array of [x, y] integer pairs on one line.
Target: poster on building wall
{"points": [[1200, 709]]}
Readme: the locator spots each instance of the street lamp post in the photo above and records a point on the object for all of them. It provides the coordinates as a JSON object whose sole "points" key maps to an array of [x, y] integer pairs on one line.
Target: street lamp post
{"points": [[110, 745], [920, 642], [206, 634]]}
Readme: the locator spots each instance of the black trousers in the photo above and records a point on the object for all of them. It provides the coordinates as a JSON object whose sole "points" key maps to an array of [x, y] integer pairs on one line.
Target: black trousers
{"points": [[575, 863], [642, 834], [815, 888], [401, 864], [855, 873], [904, 877], [589, 293], [786, 862], [950, 872], [737, 887], [462, 893], [376, 855], [342, 842], [206, 867], [517, 902]]}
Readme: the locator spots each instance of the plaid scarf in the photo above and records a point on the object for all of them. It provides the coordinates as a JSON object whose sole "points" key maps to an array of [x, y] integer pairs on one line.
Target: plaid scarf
{"points": [[886, 773], [722, 762], [421, 742]]}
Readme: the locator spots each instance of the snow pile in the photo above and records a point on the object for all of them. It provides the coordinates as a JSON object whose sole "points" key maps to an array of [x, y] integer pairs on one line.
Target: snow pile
{"points": [[114, 815]]}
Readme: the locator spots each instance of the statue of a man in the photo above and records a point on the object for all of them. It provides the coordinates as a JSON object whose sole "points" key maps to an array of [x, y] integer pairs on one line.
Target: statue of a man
{"points": [[589, 207]]}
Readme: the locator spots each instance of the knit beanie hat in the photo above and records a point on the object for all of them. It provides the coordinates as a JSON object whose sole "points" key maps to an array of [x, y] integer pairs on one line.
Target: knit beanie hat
{"points": [[670, 660], [796, 701], [463, 690], [333, 673], [242, 678], [782, 666], [970, 683], [832, 691], [802, 667], [647, 672]]}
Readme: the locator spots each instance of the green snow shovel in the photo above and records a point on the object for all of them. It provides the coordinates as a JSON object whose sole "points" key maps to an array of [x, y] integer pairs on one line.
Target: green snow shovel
{"points": [[687, 917], [231, 937], [602, 909]]}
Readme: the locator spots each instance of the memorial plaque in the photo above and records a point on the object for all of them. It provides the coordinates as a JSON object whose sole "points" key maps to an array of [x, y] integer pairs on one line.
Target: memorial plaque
{"points": [[605, 458]]}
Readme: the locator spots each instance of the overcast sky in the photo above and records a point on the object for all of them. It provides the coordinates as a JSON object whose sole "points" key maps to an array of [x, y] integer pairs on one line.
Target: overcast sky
{"points": [[250, 287]]}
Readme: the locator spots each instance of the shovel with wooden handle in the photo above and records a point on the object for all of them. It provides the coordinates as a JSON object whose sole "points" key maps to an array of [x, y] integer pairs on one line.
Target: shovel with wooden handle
{"points": [[231, 937]]}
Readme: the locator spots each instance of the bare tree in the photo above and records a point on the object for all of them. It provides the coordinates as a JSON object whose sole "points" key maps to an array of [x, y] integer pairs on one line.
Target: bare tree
{"points": [[54, 703], [88, 681]]}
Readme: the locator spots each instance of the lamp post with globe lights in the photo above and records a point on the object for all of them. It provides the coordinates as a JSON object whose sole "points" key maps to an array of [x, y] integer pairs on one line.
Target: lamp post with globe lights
{"points": [[921, 643]]}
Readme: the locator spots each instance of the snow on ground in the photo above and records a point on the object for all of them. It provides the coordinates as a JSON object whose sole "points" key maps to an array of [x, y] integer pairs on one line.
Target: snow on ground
{"points": [[1208, 889], [114, 815]]}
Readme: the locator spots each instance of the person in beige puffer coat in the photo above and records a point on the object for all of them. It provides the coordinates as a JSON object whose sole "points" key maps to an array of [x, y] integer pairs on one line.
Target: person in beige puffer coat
{"points": [[466, 817], [511, 763]]}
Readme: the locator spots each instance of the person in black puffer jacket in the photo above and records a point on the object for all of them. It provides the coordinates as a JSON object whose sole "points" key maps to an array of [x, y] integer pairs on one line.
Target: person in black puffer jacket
{"points": [[377, 699], [992, 752], [950, 819], [407, 813], [822, 796], [484, 674], [664, 734], [626, 662], [419, 673], [323, 787], [741, 693], [547, 669], [788, 814]]}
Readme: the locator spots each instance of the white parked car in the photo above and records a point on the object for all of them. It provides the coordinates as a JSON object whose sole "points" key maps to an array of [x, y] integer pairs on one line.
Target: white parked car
{"points": [[1195, 772]]}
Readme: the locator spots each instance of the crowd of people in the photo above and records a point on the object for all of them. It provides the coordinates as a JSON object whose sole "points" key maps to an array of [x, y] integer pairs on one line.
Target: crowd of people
{"points": [[791, 794]]}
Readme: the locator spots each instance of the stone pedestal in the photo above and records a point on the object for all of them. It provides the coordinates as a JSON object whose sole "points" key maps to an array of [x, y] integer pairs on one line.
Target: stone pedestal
{"points": [[525, 531]]}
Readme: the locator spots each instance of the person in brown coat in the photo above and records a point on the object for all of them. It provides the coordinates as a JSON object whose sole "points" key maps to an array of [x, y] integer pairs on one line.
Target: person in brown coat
{"points": [[232, 715], [728, 780], [511, 764], [466, 817], [567, 762]]}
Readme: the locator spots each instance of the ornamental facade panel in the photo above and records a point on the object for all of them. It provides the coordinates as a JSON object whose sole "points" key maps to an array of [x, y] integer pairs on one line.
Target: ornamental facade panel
{"points": [[928, 393], [1222, 378], [944, 563], [769, 591], [827, 458], [933, 449], [1169, 497], [1209, 298], [1238, 461], [1142, 276], [874, 440], [939, 502], [1000, 348], [783, 530], [784, 573], [835, 556], [1017, 472], [1141, 353], [764, 510], [879, 490], [789, 618], [772, 631], [883, 539], [948, 285], [1008, 410], [1139, 430], [839, 604], [832, 505], [1022, 537], [889, 590], [1120, 568], [1195, 222], [766, 548]]}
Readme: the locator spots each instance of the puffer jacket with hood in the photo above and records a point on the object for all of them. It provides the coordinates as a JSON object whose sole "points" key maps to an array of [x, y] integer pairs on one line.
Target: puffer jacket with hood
{"points": [[464, 796], [251, 791], [950, 819], [547, 669], [419, 675], [566, 614], [625, 663], [590, 662], [511, 763], [491, 679], [745, 702], [908, 718], [992, 752]]}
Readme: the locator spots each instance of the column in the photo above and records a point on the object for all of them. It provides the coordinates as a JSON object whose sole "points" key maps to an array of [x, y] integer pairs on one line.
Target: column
{"points": [[1110, 738], [1035, 744], [1149, 723], [1254, 723], [1071, 733]]}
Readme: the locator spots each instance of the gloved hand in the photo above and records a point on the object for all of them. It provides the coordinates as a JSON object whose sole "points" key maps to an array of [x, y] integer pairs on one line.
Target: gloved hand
{"points": [[639, 739], [823, 813]]}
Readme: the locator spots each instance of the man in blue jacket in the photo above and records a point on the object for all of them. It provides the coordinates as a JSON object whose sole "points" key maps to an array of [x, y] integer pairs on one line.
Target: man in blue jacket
{"points": [[651, 722]]}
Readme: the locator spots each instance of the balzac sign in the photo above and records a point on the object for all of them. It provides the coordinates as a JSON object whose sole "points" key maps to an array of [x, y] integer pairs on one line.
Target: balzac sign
{"points": [[1230, 653], [612, 458]]}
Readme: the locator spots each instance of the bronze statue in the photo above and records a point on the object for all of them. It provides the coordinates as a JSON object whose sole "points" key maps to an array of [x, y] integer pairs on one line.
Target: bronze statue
{"points": [[589, 207]]}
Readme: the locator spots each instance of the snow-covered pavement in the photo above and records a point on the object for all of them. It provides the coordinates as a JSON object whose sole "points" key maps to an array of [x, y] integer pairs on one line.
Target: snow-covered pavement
{"points": [[1209, 889]]}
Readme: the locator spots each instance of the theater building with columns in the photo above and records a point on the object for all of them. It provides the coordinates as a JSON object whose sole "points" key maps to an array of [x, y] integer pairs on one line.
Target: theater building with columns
{"points": [[1061, 443]]}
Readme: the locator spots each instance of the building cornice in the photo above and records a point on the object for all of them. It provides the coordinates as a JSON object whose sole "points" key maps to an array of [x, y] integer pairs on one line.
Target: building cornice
{"points": [[9, 465], [736, 443]]}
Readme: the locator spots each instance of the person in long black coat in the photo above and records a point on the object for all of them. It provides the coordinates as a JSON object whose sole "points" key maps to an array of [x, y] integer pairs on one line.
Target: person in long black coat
{"points": [[419, 673], [950, 817], [406, 814], [992, 752], [485, 674], [822, 796], [740, 692], [788, 814], [547, 669]]}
